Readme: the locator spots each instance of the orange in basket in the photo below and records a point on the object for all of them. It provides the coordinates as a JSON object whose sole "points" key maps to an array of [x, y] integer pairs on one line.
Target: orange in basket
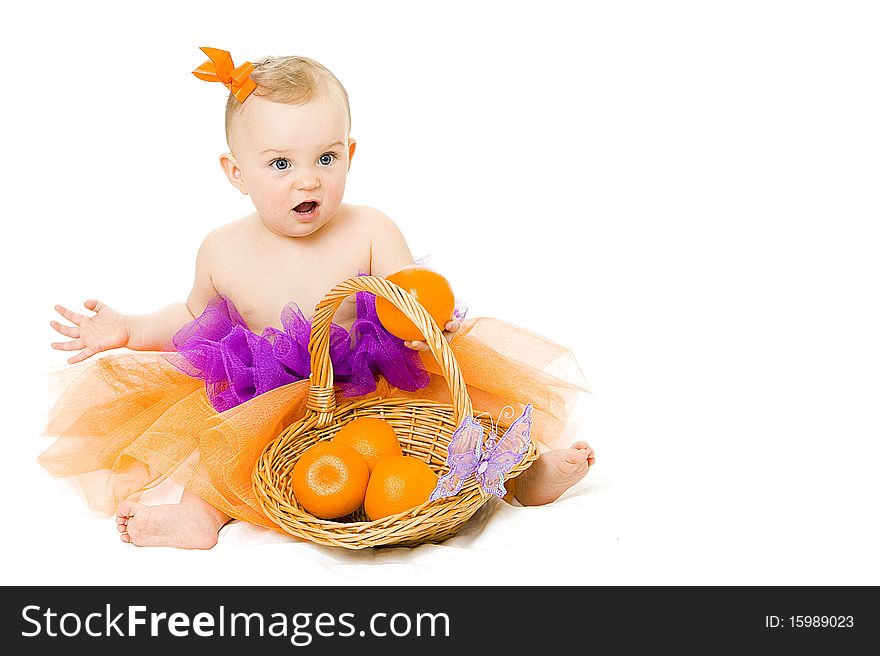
{"points": [[372, 437], [397, 484], [330, 480]]}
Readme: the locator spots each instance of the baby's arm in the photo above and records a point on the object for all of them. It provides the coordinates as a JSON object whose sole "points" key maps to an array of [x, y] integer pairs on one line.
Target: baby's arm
{"points": [[153, 332], [389, 253], [108, 329]]}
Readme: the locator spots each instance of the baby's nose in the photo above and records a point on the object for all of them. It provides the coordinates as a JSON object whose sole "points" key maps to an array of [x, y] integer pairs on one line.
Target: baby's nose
{"points": [[306, 180]]}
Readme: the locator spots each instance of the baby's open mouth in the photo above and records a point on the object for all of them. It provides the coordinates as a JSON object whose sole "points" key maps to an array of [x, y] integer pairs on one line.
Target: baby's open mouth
{"points": [[306, 207]]}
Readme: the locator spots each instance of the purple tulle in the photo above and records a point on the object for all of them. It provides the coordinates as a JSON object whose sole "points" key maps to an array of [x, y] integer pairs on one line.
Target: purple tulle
{"points": [[237, 364]]}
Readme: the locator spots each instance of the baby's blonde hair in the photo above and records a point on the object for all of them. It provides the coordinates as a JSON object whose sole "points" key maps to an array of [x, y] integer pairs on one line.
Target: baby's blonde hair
{"points": [[291, 79]]}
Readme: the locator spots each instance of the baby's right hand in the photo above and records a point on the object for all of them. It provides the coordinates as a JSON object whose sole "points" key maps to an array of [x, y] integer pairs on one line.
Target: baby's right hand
{"points": [[106, 330]]}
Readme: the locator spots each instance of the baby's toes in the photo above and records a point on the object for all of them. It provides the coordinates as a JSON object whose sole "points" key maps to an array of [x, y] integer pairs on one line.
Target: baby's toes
{"points": [[577, 456], [125, 512], [591, 456], [122, 527], [586, 448], [571, 462]]}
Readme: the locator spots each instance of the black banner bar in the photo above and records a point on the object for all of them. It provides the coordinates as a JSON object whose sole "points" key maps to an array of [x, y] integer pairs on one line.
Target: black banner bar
{"points": [[436, 619]]}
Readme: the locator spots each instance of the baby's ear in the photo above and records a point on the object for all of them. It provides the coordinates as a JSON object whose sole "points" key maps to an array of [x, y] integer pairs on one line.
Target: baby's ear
{"points": [[233, 172], [351, 146]]}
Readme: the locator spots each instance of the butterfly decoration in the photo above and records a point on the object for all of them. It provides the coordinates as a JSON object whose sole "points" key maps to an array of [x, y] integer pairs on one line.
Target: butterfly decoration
{"points": [[489, 462]]}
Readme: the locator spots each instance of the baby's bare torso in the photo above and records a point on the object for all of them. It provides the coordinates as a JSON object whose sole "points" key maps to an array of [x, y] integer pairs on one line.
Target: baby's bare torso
{"points": [[261, 272]]}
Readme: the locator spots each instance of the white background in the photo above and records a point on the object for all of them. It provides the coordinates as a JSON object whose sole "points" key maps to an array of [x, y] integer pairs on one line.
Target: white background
{"points": [[683, 193]]}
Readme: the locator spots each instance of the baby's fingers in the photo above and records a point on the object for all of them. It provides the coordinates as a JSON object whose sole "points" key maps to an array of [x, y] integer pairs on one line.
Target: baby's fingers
{"points": [[79, 357], [67, 331], [452, 326], [70, 315], [75, 345]]}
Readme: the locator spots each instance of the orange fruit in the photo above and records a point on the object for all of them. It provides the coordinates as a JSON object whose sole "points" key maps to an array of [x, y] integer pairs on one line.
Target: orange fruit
{"points": [[398, 483], [372, 437], [330, 480], [430, 289]]}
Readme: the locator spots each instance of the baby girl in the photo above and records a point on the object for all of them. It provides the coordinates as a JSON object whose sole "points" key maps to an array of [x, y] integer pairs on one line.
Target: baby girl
{"points": [[287, 128]]}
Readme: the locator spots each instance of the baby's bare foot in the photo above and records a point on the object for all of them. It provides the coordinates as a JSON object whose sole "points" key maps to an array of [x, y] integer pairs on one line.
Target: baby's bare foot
{"points": [[553, 473], [181, 525]]}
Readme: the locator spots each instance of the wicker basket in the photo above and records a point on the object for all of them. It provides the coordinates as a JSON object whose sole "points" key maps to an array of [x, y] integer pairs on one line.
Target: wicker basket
{"points": [[424, 429]]}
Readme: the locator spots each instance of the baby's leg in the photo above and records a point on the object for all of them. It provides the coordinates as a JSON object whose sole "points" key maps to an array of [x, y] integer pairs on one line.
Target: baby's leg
{"points": [[190, 524], [552, 474]]}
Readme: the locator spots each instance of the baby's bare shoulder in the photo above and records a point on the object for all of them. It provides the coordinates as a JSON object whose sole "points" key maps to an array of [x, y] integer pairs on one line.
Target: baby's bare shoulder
{"points": [[389, 251], [225, 236], [368, 221], [232, 230]]}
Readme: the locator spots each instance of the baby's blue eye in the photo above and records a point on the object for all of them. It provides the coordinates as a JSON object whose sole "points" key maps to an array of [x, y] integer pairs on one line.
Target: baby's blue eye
{"points": [[282, 163], [326, 159]]}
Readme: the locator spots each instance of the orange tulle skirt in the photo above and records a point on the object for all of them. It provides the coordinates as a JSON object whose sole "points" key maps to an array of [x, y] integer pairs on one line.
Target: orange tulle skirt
{"points": [[129, 421]]}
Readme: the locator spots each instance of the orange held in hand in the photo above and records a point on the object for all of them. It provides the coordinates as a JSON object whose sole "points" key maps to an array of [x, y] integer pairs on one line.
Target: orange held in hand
{"points": [[430, 289], [398, 483], [372, 437], [330, 480]]}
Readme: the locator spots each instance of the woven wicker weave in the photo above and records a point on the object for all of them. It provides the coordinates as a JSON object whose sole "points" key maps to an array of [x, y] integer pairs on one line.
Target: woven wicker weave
{"points": [[424, 429]]}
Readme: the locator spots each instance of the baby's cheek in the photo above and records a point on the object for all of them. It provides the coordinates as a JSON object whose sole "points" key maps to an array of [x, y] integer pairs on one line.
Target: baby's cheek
{"points": [[269, 208], [335, 188], [277, 205], [282, 207]]}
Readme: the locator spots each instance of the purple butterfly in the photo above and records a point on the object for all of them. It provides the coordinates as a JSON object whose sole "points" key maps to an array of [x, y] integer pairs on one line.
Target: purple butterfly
{"points": [[488, 463]]}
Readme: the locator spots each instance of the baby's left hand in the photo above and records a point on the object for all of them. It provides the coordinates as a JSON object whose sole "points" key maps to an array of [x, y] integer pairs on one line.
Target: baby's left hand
{"points": [[449, 331]]}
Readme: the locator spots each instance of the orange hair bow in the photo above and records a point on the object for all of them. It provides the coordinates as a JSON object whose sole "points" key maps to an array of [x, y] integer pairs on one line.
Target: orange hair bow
{"points": [[219, 68]]}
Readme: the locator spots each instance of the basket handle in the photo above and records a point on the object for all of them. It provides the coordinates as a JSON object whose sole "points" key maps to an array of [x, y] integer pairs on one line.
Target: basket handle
{"points": [[322, 398]]}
